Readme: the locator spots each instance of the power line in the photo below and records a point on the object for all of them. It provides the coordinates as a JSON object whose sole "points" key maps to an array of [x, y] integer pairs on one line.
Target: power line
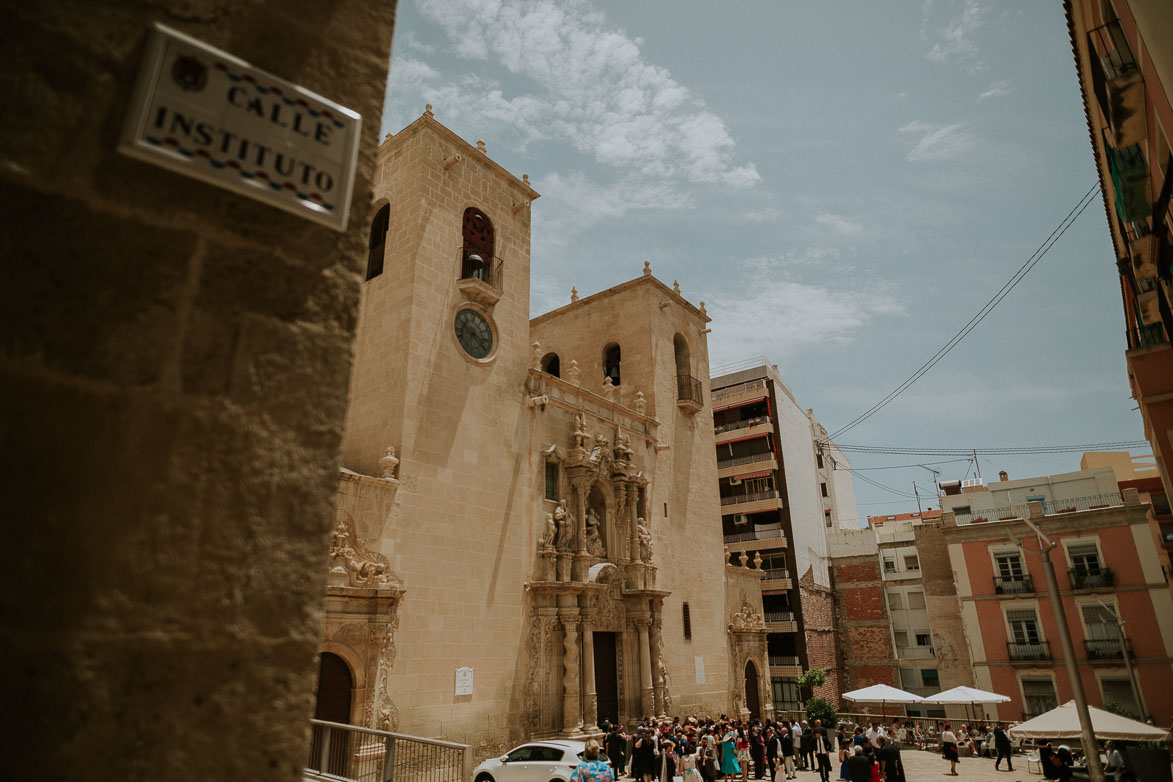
{"points": [[902, 466], [888, 489], [1016, 278], [1004, 451]]}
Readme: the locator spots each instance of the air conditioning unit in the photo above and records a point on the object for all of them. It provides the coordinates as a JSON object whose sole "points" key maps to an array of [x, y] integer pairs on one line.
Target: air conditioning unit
{"points": [[740, 519], [734, 481]]}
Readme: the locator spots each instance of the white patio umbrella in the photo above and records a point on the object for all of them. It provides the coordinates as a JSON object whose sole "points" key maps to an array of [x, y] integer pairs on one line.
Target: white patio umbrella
{"points": [[968, 696], [883, 695], [1063, 723]]}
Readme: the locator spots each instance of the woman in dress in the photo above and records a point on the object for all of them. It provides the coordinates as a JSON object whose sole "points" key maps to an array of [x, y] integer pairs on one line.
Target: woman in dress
{"points": [[742, 742], [729, 764], [592, 769], [949, 747], [667, 758], [688, 765], [643, 760], [844, 747]]}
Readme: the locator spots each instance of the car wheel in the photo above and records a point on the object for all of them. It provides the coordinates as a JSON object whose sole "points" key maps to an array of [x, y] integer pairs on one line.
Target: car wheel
{"points": [[484, 778]]}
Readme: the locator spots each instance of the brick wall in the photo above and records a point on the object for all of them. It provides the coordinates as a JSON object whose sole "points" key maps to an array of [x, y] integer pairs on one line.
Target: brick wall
{"points": [[865, 650], [822, 648]]}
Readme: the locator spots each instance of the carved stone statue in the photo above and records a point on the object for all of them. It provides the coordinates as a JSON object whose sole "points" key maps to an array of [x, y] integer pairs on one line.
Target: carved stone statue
{"points": [[580, 432], [366, 568], [561, 518], [550, 534], [747, 618], [594, 539], [645, 540]]}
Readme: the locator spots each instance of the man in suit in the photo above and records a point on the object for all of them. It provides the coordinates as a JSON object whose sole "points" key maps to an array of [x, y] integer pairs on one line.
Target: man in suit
{"points": [[773, 752], [787, 753], [859, 765], [1002, 747], [757, 751], [891, 766], [808, 746], [822, 751]]}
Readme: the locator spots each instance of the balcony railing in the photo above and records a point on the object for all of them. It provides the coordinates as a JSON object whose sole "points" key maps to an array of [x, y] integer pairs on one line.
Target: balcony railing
{"points": [[1039, 650], [719, 393], [688, 389], [1082, 578], [783, 659], [753, 458], [1117, 82], [476, 266], [771, 574], [779, 616], [1147, 336], [734, 499], [758, 534], [743, 424], [1106, 648], [1051, 507], [1013, 585]]}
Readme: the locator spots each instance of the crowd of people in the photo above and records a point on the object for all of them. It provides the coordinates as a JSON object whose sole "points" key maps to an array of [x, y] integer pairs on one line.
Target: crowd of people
{"points": [[707, 750]]}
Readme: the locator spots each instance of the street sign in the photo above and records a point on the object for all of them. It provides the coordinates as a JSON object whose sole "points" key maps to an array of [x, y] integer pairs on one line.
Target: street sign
{"points": [[211, 116]]}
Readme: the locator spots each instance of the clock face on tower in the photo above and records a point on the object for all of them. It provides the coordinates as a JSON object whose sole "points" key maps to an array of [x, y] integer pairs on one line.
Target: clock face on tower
{"points": [[473, 333]]}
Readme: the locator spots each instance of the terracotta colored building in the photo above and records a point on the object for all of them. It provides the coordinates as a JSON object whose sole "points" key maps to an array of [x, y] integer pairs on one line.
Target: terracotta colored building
{"points": [[1124, 61], [1108, 571]]}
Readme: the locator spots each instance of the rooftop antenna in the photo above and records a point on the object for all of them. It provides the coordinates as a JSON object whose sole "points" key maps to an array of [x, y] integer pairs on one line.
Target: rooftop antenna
{"points": [[977, 466]]}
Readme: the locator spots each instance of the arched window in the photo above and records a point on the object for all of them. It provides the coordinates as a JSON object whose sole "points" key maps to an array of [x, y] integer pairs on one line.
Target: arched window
{"points": [[611, 357], [378, 243], [683, 356], [688, 388], [477, 253], [551, 365]]}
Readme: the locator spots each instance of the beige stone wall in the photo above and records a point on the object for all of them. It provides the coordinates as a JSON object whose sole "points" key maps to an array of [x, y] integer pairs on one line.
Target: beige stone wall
{"points": [[173, 367], [689, 545]]}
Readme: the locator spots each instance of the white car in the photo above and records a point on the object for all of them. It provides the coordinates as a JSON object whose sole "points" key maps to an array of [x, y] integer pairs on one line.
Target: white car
{"points": [[534, 761]]}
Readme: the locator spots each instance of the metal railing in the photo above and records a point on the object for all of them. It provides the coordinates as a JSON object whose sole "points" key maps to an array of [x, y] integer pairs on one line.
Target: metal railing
{"points": [[1112, 58], [753, 458], [1082, 578], [487, 269], [1039, 650], [1106, 648], [350, 752], [734, 499], [1051, 507], [783, 659], [1146, 336], [764, 534], [770, 574], [743, 424], [1013, 585], [688, 389], [779, 616]]}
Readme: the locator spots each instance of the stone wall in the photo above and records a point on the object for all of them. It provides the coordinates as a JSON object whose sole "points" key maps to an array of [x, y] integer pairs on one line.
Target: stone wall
{"points": [[174, 366]]}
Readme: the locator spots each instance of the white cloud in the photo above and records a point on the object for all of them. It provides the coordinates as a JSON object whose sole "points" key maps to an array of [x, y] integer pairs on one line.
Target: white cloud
{"points": [[780, 305], [996, 90], [838, 223], [592, 88], [409, 40], [939, 142], [955, 40]]}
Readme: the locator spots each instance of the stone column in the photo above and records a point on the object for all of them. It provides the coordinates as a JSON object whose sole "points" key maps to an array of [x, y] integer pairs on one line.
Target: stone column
{"points": [[632, 514], [646, 685], [571, 704], [657, 642], [590, 699]]}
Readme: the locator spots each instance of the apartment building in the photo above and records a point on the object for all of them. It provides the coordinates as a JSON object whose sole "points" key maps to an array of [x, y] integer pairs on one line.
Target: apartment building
{"points": [[1124, 63], [780, 494], [1113, 590]]}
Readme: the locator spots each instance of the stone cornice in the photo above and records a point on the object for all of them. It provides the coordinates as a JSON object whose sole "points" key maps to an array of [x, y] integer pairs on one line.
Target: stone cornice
{"points": [[566, 395], [1058, 524], [645, 279]]}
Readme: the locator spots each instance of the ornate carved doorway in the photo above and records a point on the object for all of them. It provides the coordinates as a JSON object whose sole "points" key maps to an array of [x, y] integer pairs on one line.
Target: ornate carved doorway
{"points": [[606, 677], [752, 700], [335, 685]]}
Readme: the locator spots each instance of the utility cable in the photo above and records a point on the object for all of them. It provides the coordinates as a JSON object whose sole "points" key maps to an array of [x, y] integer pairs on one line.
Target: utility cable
{"points": [[1003, 451], [1017, 277]]}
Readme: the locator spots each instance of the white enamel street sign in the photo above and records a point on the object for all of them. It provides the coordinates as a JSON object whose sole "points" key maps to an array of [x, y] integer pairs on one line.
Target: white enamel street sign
{"points": [[209, 115]]}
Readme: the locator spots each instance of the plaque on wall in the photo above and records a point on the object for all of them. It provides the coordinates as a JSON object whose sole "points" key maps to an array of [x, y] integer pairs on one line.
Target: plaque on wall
{"points": [[699, 664], [211, 116], [464, 681]]}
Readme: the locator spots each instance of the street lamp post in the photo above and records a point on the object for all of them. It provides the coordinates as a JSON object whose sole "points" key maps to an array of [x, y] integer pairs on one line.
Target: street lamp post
{"points": [[1091, 749], [1127, 657]]}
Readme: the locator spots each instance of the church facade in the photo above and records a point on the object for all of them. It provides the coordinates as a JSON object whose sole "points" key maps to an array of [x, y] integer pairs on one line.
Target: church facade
{"points": [[528, 538]]}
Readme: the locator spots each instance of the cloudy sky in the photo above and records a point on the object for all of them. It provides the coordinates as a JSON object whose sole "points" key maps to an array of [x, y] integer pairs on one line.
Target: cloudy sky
{"points": [[845, 184]]}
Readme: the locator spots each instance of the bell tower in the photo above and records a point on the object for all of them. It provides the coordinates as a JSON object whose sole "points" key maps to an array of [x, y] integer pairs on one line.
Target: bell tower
{"points": [[444, 320]]}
